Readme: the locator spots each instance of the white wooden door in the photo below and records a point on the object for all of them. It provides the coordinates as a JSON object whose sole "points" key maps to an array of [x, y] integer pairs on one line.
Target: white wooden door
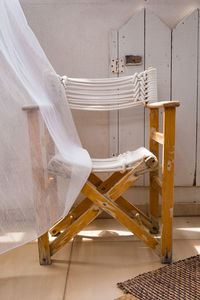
{"points": [[145, 35], [113, 115], [158, 55], [131, 121], [198, 114], [184, 89], [175, 54]]}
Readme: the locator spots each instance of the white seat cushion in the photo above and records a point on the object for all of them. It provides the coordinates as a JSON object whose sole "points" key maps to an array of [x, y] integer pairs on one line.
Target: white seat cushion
{"points": [[123, 162]]}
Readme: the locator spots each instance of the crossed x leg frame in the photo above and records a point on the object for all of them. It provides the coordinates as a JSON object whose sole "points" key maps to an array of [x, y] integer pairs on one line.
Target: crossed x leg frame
{"points": [[107, 195]]}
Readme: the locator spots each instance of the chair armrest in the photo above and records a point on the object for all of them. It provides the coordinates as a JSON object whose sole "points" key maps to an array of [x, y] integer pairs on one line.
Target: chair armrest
{"points": [[163, 104], [30, 107]]}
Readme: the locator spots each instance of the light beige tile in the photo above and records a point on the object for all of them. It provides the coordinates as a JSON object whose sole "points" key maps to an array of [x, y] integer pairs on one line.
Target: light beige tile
{"points": [[183, 228], [106, 230], [22, 277], [186, 228], [185, 248], [96, 267]]}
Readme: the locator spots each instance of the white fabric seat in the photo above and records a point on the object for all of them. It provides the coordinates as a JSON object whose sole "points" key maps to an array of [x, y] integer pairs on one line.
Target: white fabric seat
{"points": [[123, 162], [120, 163]]}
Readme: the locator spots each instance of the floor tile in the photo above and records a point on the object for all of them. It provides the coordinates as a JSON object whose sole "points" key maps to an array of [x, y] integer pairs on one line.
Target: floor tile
{"points": [[185, 248], [104, 254], [22, 277], [186, 228], [183, 228], [100, 259], [96, 267]]}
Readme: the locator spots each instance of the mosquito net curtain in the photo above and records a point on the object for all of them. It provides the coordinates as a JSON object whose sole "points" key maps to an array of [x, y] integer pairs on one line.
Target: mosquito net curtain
{"points": [[27, 77]]}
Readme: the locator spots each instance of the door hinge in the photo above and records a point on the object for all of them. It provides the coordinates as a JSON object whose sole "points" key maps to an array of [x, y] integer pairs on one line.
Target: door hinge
{"points": [[117, 65]]}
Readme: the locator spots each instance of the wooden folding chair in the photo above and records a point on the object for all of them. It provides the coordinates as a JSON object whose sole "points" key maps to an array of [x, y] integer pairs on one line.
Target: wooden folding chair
{"points": [[125, 169]]}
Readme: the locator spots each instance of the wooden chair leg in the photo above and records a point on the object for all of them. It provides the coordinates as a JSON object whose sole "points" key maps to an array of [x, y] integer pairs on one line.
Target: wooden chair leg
{"points": [[44, 249], [41, 147], [72, 220], [153, 193], [85, 213], [111, 208], [86, 204], [167, 184], [78, 225]]}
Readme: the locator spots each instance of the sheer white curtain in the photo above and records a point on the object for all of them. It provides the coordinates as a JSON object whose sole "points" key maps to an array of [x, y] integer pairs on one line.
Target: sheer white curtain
{"points": [[27, 77]]}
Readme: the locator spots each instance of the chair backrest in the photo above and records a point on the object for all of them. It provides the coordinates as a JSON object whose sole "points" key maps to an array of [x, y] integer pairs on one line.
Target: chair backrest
{"points": [[111, 93]]}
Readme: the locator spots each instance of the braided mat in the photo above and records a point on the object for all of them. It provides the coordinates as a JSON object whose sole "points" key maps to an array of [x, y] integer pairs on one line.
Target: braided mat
{"points": [[180, 280]]}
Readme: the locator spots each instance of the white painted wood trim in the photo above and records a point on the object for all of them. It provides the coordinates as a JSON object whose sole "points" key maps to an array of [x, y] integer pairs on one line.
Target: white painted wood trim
{"points": [[177, 80], [113, 115], [184, 89], [158, 55], [198, 112], [131, 121]]}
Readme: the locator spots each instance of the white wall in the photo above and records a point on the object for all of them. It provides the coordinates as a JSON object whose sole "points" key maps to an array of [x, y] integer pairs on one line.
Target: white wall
{"points": [[75, 37]]}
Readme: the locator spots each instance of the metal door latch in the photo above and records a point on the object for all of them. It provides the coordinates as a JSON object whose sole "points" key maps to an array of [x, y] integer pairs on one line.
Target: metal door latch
{"points": [[133, 60]]}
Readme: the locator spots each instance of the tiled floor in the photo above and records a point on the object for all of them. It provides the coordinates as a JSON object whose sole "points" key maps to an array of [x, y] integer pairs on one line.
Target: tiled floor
{"points": [[89, 267]]}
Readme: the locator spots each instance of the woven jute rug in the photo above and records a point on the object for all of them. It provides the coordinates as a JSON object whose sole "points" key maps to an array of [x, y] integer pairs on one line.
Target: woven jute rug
{"points": [[178, 281]]}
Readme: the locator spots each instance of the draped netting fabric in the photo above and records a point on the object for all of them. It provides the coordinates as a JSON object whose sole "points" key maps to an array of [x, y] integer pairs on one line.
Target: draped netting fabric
{"points": [[27, 77]]}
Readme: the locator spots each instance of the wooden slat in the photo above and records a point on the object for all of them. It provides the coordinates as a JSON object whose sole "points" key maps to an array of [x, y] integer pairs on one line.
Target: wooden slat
{"points": [[119, 215], [126, 181], [154, 148], [37, 168], [113, 115], [51, 179], [44, 250], [157, 184], [83, 214], [157, 137], [76, 211], [198, 118], [184, 89], [121, 201], [163, 104], [30, 107], [167, 184], [72, 216], [132, 210], [109, 182], [74, 228], [158, 52], [86, 204], [39, 186], [92, 212]]}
